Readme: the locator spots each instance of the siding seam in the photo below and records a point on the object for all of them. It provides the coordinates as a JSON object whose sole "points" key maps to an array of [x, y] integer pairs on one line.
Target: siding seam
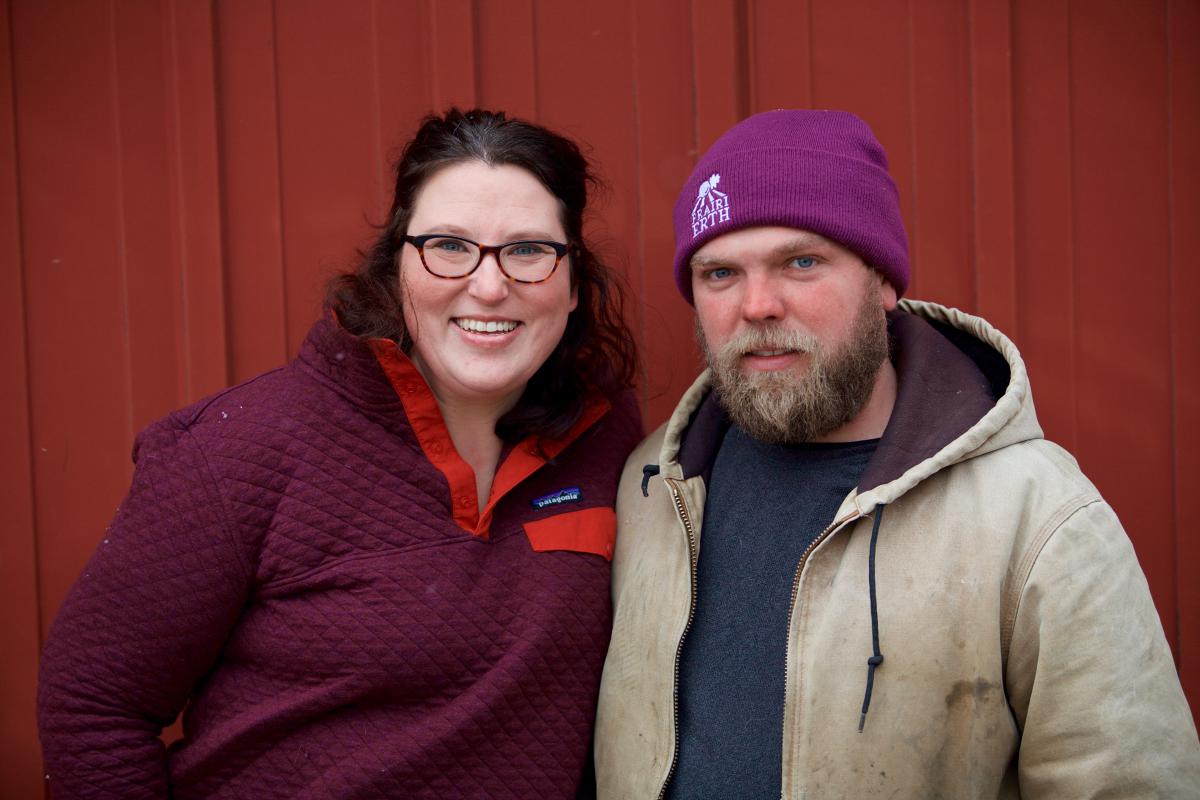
{"points": [[283, 249], [122, 223], [24, 324], [1172, 323]]}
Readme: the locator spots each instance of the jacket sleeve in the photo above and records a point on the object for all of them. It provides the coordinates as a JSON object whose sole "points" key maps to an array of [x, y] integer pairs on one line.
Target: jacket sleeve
{"points": [[144, 621], [1090, 676]]}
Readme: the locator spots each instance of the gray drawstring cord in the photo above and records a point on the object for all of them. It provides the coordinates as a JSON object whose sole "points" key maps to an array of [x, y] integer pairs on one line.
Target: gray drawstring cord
{"points": [[877, 658]]}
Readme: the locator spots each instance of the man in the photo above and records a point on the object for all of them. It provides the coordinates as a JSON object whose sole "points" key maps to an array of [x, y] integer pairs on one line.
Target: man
{"points": [[850, 566]]}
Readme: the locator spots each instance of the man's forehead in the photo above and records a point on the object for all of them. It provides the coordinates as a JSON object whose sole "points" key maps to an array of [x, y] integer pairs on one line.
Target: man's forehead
{"points": [[758, 242]]}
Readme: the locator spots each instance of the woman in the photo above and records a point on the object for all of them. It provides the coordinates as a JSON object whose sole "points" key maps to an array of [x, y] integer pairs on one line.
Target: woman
{"points": [[382, 570]]}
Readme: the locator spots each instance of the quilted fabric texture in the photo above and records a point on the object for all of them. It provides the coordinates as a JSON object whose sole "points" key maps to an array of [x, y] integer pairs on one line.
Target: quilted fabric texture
{"points": [[286, 565]]}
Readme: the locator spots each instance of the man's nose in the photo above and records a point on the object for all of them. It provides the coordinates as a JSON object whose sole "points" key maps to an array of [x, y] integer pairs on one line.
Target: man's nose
{"points": [[761, 300]]}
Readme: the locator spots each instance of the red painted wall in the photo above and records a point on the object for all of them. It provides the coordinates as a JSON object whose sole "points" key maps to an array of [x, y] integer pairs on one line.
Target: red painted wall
{"points": [[178, 178]]}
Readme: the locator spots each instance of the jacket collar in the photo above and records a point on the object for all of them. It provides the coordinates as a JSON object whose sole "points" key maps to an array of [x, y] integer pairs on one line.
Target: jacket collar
{"points": [[940, 394], [348, 365]]}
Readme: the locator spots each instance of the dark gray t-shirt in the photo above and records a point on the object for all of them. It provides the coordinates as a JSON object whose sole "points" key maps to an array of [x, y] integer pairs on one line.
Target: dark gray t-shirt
{"points": [[766, 504]]}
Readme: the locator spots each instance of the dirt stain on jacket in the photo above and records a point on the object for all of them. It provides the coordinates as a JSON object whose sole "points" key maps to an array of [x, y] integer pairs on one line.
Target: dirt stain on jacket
{"points": [[978, 691]]}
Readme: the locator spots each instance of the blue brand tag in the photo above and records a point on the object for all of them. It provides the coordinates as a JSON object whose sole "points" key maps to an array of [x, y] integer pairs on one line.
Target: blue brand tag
{"points": [[570, 495]]}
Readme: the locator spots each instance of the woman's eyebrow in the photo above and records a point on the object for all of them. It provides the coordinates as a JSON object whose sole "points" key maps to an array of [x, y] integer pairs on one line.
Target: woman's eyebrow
{"points": [[516, 236], [513, 236], [451, 230]]}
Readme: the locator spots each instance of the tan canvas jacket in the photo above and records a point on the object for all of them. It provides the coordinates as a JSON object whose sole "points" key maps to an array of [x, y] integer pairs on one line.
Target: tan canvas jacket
{"points": [[1023, 656]]}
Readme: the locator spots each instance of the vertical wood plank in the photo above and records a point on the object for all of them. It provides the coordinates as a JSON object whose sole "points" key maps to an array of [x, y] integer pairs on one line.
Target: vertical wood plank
{"points": [[403, 85], [328, 147], [861, 62], [1043, 215], [65, 68], [1183, 51], [192, 123], [666, 153], [585, 104], [780, 73], [20, 757], [171, 231], [508, 57], [718, 67], [453, 47], [153, 294], [1119, 187], [991, 94], [251, 201], [941, 117]]}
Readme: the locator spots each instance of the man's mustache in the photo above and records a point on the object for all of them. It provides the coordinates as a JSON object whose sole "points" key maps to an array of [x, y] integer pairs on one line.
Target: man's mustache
{"points": [[772, 338]]}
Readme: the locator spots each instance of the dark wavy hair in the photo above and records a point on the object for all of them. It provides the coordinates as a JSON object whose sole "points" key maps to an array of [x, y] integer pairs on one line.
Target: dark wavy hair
{"points": [[596, 353]]}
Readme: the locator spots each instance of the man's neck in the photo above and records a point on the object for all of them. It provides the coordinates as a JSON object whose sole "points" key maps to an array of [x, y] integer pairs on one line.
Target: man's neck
{"points": [[873, 417]]}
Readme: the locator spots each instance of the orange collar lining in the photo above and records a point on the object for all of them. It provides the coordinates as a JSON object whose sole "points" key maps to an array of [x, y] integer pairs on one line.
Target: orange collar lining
{"points": [[423, 413]]}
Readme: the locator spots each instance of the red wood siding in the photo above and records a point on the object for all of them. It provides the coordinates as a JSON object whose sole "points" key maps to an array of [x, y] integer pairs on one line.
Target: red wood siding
{"points": [[178, 179]]}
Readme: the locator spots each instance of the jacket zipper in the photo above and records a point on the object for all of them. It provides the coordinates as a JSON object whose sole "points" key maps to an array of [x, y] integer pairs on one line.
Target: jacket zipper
{"points": [[694, 556], [787, 648]]}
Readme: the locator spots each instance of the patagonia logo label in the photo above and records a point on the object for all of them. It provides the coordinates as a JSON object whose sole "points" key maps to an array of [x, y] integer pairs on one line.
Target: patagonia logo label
{"points": [[571, 495], [711, 207]]}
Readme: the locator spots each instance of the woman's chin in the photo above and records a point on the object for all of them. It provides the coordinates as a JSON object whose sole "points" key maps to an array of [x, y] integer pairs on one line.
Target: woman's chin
{"points": [[500, 391]]}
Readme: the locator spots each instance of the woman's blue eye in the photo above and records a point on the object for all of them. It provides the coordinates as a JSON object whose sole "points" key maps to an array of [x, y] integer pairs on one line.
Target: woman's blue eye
{"points": [[528, 249], [804, 262], [448, 245]]}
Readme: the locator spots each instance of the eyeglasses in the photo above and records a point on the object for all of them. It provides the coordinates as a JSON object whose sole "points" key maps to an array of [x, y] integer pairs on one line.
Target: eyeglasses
{"points": [[527, 261]]}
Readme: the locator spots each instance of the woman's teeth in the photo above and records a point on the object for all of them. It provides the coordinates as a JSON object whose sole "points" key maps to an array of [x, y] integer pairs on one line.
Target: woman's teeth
{"points": [[479, 326]]}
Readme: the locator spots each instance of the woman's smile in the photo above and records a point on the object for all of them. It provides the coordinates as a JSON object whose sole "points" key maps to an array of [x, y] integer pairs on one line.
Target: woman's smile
{"points": [[485, 326]]}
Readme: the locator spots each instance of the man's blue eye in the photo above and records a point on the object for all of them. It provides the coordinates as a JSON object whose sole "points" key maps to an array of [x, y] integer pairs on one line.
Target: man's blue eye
{"points": [[719, 273], [804, 262]]}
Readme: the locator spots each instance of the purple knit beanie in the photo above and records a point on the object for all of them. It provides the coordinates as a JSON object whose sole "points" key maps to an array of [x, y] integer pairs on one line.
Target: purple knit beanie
{"points": [[820, 171]]}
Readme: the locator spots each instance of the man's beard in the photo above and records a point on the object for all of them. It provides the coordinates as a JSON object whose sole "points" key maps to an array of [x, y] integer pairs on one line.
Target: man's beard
{"points": [[781, 407]]}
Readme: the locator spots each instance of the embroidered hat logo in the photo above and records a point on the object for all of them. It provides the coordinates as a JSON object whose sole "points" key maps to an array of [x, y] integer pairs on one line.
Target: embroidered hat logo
{"points": [[712, 206]]}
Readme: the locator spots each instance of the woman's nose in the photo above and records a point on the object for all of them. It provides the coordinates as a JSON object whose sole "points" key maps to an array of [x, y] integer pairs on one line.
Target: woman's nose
{"points": [[488, 284]]}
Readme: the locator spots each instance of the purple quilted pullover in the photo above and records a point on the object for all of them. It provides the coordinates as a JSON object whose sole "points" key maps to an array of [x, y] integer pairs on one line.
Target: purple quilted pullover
{"points": [[300, 562]]}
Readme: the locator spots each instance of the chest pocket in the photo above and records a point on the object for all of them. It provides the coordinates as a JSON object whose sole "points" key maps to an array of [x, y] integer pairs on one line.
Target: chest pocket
{"points": [[589, 530]]}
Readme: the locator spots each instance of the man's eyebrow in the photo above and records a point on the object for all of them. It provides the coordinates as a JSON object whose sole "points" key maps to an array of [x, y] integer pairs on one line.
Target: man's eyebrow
{"points": [[700, 262], [787, 248], [801, 242]]}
